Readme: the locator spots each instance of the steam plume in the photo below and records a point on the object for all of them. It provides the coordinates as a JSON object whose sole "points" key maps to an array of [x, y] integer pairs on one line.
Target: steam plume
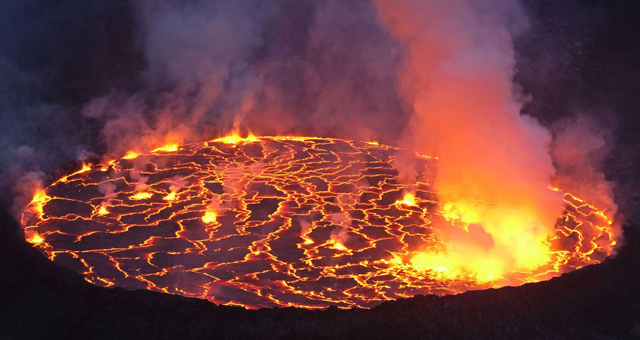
{"points": [[494, 165], [579, 148]]}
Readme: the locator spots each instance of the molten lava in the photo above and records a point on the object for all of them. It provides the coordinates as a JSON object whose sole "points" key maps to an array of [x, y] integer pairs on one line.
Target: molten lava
{"points": [[286, 221]]}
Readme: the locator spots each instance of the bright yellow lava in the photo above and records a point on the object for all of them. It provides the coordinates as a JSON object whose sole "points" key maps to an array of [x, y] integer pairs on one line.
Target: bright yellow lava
{"points": [[409, 199], [209, 217], [141, 196], [35, 239], [103, 210], [167, 148], [235, 138], [131, 155], [170, 197]]}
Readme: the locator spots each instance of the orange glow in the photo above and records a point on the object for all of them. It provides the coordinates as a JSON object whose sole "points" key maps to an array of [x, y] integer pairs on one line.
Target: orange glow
{"points": [[335, 244], [38, 201], [409, 199], [294, 138], [35, 238], [307, 217], [167, 148], [209, 217], [85, 168], [483, 270], [131, 155], [103, 210], [235, 138], [497, 215], [501, 229], [463, 211], [141, 196], [39, 197]]}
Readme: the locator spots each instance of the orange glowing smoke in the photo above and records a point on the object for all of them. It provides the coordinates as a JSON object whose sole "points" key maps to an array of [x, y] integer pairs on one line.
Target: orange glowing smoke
{"points": [[494, 163], [167, 148], [131, 155], [295, 221], [235, 138]]}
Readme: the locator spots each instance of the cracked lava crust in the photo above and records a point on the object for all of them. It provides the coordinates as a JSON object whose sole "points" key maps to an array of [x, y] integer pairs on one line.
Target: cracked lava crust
{"points": [[273, 221]]}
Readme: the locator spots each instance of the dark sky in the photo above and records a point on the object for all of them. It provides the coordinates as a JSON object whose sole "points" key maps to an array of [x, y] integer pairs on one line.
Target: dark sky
{"points": [[69, 52]]}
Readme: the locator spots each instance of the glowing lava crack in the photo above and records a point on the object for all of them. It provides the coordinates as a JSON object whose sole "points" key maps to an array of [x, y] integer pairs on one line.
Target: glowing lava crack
{"points": [[288, 221]]}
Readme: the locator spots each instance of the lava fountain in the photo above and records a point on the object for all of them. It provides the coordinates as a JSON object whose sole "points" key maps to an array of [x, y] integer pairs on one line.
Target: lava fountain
{"points": [[280, 221]]}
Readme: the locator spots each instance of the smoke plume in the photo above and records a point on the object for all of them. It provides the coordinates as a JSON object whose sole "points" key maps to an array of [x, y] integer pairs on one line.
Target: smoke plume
{"points": [[579, 149], [494, 164], [435, 76]]}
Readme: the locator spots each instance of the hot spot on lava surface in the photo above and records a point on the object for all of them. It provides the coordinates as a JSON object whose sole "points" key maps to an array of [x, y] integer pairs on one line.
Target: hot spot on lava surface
{"points": [[271, 221]]}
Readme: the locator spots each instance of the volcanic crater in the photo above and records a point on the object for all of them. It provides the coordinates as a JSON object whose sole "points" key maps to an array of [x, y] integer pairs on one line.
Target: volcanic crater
{"points": [[273, 221]]}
